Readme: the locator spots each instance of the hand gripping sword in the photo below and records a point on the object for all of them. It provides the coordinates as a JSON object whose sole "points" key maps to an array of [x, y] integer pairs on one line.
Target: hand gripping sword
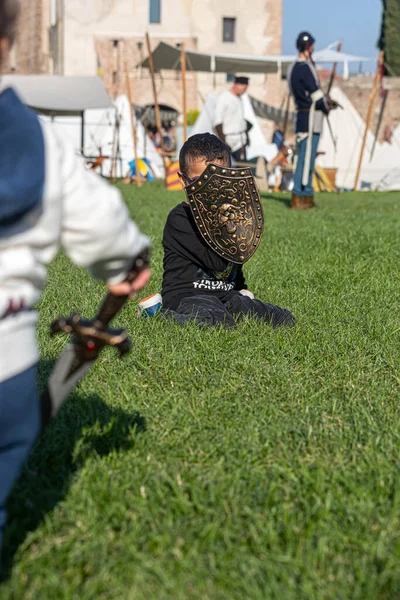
{"points": [[89, 337]]}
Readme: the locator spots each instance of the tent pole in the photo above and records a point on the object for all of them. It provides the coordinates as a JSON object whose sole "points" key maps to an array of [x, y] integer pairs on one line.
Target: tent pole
{"points": [[134, 127], [184, 99], [156, 106], [286, 119], [369, 116], [114, 147], [83, 133], [118, 156], [213, 70], [144, 142]]}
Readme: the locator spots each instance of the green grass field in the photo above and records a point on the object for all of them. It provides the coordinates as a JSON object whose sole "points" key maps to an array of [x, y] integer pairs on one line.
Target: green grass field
{"points": [[239, 464]]}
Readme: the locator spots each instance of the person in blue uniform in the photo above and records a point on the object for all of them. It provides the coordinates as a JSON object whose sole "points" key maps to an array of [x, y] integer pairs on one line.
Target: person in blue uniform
{"points": [[312, 106]]}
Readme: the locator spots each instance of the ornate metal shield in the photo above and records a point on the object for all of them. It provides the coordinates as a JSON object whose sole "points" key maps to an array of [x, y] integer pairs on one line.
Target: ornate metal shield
{"points": [[226, 206]]}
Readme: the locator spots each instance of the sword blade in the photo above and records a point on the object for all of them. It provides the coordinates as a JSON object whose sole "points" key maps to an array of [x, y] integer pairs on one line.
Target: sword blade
{"points": [[63, 379], [378, 126], [331, 133]]}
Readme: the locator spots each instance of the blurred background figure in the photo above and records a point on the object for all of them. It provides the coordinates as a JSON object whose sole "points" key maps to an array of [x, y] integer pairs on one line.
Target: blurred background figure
{"points": [[230, 125]]}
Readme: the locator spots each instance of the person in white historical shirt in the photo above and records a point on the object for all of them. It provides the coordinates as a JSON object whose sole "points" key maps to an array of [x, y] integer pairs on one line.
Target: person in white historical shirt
{"points": [[230, 124]]}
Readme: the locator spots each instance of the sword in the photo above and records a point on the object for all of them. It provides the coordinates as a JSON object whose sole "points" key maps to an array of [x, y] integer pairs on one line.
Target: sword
{"points": [[331, 133], [384, 95], [88, 339], [333, 72]]}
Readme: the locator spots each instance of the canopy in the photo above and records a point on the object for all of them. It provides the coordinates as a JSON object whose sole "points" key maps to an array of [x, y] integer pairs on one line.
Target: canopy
{"points": [[265, 111], [168, 57], [59, 95]]}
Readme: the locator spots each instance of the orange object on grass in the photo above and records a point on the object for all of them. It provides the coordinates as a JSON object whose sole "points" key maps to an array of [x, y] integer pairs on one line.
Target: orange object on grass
{"points": [[173, 181]]}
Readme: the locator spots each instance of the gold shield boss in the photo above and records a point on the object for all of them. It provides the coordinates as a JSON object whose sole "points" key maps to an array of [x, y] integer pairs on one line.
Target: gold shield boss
{"points": [[226, 207]]}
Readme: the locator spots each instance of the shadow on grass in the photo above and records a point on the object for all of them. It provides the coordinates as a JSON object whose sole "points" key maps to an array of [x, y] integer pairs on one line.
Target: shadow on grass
{"points": [[86, 426], [276, 197]]}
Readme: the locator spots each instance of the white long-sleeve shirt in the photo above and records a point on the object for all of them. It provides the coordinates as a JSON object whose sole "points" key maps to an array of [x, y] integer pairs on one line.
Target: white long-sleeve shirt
{"points": [[79, 212], [230, 114]]}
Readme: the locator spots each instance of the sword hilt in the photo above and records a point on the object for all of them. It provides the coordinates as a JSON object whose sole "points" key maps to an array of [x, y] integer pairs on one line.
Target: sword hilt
{"points": [[88, 338], [91, 336]]}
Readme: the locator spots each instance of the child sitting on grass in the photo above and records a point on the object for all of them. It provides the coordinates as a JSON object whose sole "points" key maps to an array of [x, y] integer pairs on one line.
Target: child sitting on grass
{"points": [[198, 284]]}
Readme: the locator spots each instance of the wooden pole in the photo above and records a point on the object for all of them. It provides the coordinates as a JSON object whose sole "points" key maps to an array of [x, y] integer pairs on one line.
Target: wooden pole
{"points": [[286, 120], [184, 99], [114, 147], [134, 127], [114, 153], [145, 142], [369, 116], [156, 106], [83, 133]]}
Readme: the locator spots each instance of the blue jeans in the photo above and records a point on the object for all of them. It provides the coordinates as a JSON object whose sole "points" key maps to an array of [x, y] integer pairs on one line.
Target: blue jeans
{"points": [[19, 427], [299, 189]]}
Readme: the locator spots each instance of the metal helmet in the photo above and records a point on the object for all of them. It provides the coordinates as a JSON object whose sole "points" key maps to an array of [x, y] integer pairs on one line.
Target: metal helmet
{"points": [[304, 41]]}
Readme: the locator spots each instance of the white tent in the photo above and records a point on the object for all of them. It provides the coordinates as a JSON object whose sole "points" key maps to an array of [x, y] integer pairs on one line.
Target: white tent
{"points": [[82, 110], [59, 94], [100, 132], [258, 144], [388, 160], [348, 129], [390, 182]]}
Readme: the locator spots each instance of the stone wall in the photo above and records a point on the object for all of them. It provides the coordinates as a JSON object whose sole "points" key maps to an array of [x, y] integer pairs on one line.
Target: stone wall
{"points": [[30, 54], [91, 26], [273, 94], [111, 32], [118, 60], [358, 89]]}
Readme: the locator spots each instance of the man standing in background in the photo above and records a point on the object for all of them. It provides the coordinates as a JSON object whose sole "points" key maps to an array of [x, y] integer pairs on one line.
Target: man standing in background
{"points": [[230, 125], [311, 108]]}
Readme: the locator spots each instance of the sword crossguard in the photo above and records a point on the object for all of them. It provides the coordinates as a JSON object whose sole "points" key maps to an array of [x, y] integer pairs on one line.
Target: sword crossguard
{"points": [[90, 337]]}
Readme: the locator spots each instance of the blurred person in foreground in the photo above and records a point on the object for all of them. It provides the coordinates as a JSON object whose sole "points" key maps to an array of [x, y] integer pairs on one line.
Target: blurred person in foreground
{"points": [[47, 200]]}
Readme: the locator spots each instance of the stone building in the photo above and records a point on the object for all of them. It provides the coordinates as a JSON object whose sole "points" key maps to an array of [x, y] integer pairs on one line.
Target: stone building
{"points": [[77, 37]]}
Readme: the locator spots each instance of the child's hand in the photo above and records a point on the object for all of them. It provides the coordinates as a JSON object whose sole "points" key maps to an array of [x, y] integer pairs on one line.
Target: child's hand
{"points": [[130, 289]]}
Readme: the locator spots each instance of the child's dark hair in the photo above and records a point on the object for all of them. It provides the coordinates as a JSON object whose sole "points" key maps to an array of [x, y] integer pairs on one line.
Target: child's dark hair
{"points": [[204, 145], [9, 11]]}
